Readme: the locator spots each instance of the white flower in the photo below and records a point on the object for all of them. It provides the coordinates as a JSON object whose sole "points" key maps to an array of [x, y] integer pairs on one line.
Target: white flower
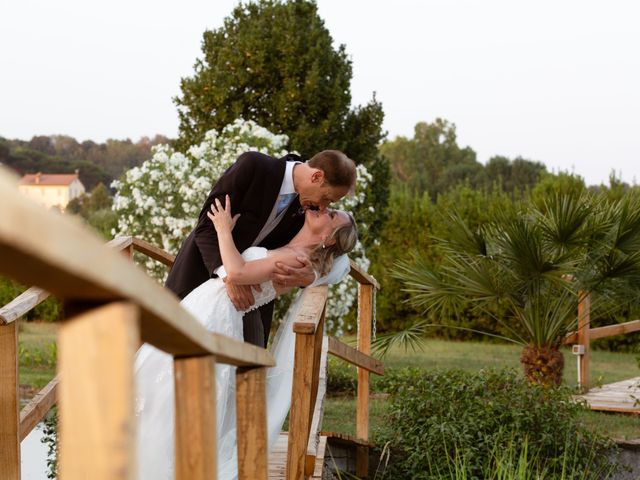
{"points": [[160, 200]]}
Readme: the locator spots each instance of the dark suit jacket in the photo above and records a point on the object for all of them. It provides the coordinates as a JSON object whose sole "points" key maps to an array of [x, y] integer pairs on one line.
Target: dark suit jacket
{"points": [[253, 184]]}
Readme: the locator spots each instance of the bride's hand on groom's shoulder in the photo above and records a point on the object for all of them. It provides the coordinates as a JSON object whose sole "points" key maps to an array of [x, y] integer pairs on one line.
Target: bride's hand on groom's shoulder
{"points": [[221, 216], [299, 275]]}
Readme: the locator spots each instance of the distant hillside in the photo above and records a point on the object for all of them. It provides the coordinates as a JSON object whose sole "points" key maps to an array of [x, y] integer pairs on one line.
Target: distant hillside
{"points": [[97, 162]]}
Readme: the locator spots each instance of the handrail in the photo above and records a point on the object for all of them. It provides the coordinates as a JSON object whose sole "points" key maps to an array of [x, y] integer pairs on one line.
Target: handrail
{"points": [[606, 331], [58, 254], [310, 312], [23, 303], [112, 305], [34, 411], [362, 277], [355, 357]]}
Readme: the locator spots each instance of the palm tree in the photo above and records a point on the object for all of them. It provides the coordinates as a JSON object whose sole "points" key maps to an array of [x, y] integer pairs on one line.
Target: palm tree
{"points": [[535, 267]]}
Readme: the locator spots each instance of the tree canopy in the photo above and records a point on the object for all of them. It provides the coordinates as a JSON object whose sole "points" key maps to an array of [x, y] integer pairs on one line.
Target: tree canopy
{"points": [[274, 62]]}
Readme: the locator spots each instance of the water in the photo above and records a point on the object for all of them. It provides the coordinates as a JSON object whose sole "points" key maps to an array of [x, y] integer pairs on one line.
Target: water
{"points": [[34, 456]]}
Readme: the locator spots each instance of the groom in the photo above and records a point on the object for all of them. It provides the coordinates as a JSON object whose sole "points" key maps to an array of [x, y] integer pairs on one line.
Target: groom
{"points": [[270, 195]]}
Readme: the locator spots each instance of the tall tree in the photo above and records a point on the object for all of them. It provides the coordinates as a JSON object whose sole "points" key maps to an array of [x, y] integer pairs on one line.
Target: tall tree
{"points": [[432, 161], [274, 62]]}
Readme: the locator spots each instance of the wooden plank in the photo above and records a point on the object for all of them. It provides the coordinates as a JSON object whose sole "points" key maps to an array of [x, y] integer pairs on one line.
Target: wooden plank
{"points": [[59, 254], [195, 420], [584, 322], [22, 304], [311, 309], [9, 403], [319, 463], [606, 331], [318, 411], [300, 407], [611, 330], [361, 276], [355, 357], [153, 252], [365, 316], [346, 439], [34, 411], [251, 408], [120, 243], [97, 421]]}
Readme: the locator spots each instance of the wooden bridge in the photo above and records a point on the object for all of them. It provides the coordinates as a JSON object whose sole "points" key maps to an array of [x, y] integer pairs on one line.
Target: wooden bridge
{"points": [[620, 397], [111, 307]]}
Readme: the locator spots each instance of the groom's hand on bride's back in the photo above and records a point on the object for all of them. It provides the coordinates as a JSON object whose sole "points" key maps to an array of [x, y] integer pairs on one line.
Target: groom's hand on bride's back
{"points": [[299, 275], [241, 295]]}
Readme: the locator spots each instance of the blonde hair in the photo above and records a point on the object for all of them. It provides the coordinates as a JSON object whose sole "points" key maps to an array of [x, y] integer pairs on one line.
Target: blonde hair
{"points": [[346, 237]]}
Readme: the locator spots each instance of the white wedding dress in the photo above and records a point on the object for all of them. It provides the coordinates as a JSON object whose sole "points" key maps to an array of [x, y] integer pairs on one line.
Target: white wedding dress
{"points": [[211, 306]]}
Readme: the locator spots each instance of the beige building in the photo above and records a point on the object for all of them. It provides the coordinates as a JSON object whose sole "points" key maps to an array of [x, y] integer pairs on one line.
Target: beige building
{"points": [[52, 190]]}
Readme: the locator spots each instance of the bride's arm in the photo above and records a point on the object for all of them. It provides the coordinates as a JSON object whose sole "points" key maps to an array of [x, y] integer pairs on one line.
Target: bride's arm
{"points": [[238, 270]]}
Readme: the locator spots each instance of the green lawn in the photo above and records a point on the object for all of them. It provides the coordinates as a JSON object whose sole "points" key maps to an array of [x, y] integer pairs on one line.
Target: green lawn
{"points": [[37, 354]]}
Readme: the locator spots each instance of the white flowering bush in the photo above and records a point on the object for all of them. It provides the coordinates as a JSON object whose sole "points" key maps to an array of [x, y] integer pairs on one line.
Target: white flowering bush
{"points": [[160, 200]]}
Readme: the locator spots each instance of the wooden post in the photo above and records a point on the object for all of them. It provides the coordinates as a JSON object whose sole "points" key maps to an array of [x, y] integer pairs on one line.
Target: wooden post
{"points": [[9, 403], [365, 314], [251, 413], [195, 391], [584, 326], [300, 413], [97, 422], [318, 337]]}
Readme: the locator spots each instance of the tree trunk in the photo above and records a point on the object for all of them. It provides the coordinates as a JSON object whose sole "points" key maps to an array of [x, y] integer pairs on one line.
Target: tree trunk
{"points": [[543, 365]]}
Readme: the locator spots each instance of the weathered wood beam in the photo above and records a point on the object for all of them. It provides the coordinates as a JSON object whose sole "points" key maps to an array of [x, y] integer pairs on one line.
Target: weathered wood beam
{"points": [[355, 357], [97, 420], [195, 419], [312, 306], [9, 403], [251, 414], [316, 421], [22, 304], [361, 276], [34, 411]]}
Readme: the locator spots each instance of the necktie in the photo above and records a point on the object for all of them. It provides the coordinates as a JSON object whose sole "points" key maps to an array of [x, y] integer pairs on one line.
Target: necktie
{"points": [[284, 201]]}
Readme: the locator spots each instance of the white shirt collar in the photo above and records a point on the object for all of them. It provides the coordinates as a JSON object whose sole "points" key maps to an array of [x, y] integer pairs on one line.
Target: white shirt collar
{"points": [[287, 182]]}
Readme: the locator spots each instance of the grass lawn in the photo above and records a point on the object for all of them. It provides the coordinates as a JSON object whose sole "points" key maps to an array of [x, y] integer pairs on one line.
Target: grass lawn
{"points": [[37, 367], [606, 367], [36, 343]]}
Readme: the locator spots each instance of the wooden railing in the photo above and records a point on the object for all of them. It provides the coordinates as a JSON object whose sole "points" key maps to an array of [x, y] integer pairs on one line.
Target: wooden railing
{"points": [[582, 338], [111, 306], [310, 373], [111, 309]]}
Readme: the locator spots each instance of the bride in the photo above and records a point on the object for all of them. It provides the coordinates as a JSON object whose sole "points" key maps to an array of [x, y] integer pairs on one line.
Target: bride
{"points": [[324, 236]]}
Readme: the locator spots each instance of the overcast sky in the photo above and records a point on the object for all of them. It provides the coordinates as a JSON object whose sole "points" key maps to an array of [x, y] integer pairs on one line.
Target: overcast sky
{"points": [[555, 81]]}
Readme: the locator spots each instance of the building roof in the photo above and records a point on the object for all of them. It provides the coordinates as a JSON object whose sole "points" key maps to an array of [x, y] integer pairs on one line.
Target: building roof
{"points": [[48, 178]]}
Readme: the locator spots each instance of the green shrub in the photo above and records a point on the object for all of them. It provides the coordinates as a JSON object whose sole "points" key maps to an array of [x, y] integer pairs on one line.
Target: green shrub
{"points": [[441, 419], [342, 378]]}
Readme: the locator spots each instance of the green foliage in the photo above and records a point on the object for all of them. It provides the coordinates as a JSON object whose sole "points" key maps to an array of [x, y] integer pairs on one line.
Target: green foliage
{"points": [[273, 62], [50, 439], [443, 421], [38, 357], [534, 265], [414, 223], [97, 162], [342, 378], [95, 209], [432, 161]]}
